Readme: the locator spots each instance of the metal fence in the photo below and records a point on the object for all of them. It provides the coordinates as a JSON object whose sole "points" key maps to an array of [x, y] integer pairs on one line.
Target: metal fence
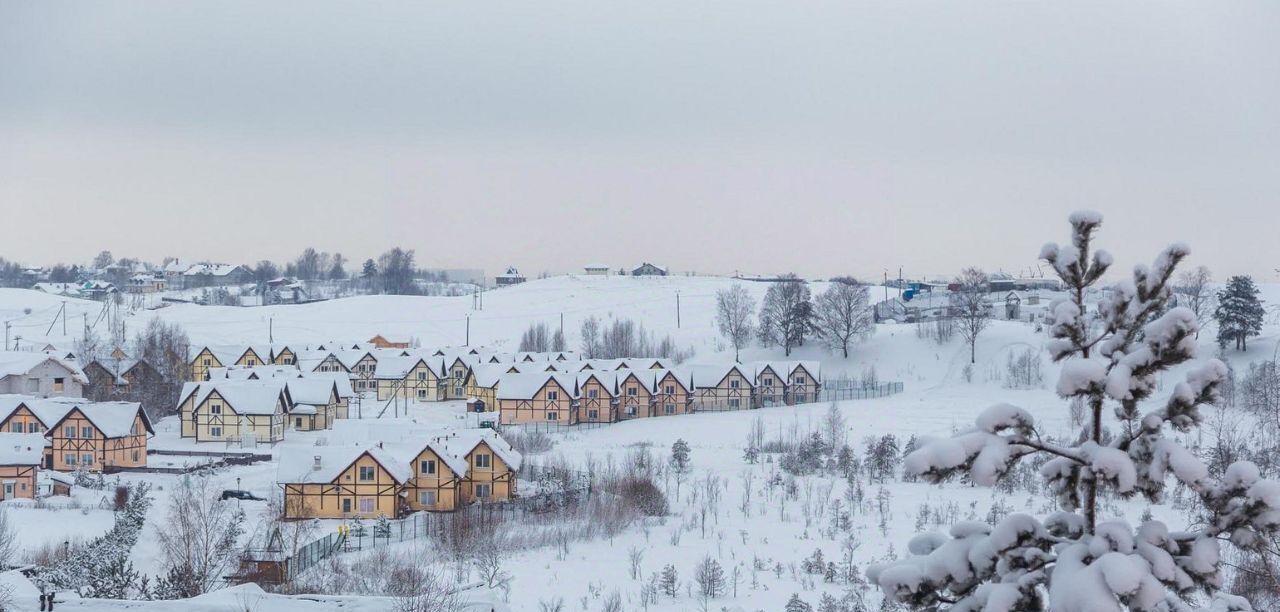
{"points": [[837, 393], [554, 428]]}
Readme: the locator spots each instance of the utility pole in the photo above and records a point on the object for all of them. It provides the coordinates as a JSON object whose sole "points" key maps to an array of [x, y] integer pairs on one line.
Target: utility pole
{"points": [[271, 330], [677, 309], [85, 315], [562, 325], [468, 342], [64, 318], [6, 335]]}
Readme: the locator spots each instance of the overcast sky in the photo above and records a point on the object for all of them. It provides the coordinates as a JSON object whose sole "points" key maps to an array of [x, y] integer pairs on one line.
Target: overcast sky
{"points": [[820, 137]]}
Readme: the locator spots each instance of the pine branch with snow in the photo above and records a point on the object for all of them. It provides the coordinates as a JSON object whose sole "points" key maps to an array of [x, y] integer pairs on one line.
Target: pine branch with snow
{"points": [[1070, 561]]}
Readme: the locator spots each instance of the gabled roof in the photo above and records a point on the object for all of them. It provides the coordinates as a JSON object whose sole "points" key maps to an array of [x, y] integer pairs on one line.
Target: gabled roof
{"points": [[47, 411], [113, 419], [311, 391], [525, 386], [644, 377], [452, 459], [684, 376], [298, 465], [607, 378], [341, 381], [19, 363], [488, 374], [711, 375], [463, 441], [397, 367], [244, 396]]}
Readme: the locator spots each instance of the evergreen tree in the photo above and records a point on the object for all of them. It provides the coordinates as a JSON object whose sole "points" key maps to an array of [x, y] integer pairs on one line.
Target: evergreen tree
{"points": [[670, 581], [1070, 561], [1239, 312], [795, 604], [680, 455]]}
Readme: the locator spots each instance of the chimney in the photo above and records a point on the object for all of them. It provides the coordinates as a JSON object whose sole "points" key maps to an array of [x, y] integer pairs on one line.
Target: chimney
{"points": [[316, 464]]}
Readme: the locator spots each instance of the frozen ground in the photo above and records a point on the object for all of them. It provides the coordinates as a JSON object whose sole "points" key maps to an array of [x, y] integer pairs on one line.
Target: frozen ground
{"points": [[769, 535]]}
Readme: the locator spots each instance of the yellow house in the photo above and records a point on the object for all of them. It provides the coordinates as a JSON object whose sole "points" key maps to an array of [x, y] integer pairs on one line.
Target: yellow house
{"points": [[635, 394], [223, 410], [458, 467], [538, 398], [598, 396], [722, 387], [99, 436], [673, 392], [437, 475], [210, 357], [341, 482], [491, 465], [482, 383], [456, 376], [283, 355], [313, 403], [21, 455], [408, 378]]}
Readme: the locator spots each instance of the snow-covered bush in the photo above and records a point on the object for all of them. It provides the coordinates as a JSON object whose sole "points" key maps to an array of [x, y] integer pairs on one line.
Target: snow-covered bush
{"points": [[100, 568], [1071, 561]]}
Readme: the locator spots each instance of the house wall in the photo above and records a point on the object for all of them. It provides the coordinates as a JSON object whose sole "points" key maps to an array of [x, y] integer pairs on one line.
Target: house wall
{"points": [[537, 409], [285, 357], [21, 421], [127, 451], [420, 384], [633, 406], [803, 387], [445, 483], [201, 364], [487, 394], [498, 476], [771, 388], [456, 380], [725, 395], [599, 409], [43, 381], [231, 424], [677, 399], [326, 500], [23, 479]]}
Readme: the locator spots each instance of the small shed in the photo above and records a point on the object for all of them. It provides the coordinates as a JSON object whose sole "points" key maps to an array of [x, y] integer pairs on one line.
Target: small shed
{"points": [[1012, 305]]}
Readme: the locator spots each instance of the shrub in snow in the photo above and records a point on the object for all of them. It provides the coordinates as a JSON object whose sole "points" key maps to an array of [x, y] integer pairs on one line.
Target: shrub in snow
{"points": [[1070, 561], [101, 568]]}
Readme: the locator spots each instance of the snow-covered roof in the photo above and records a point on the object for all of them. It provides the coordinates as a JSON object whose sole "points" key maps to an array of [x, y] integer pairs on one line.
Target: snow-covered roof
{"points": [[607, 378], [310, 391], [706, 376], [244, 396], [525, 386], [341, 381], [455, 461], [489, 374], [21, 448], [113, 419], [323, 464], [397, 367], [596, 266], [463, 441], [644, 377], [18, 363], [684, 376], [210, 269], [67, 289]]}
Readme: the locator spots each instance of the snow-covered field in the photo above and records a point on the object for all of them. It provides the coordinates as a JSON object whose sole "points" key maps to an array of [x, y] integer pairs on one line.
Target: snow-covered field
{"points": [[763, 541]]}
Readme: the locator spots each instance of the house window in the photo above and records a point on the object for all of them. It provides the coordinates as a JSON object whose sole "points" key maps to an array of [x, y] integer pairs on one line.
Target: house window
{"points": [[368, 504], [215, 408], [422, 394], [427, 498], [553, 416], [768, 381], [735, 403], [484, 491], [799, 380], [593, 414], [297, 422], [366, 474], [427, 466], [671, 389], [33, 427], [593, 393], [135, 455], [422, 375], [733, 384], [86, 432], [57, 385], [631, 391], [87, 459], [215, 432], [346, 506], [669, 408], [553, 396], [69, 431], [483, 460], [16, 428], [207, 363], [69, 459], [631, 409]]}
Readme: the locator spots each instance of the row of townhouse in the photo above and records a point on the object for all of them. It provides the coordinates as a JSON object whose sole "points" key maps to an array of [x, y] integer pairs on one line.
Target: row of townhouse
{"points": [[79, 434], [584, 392], [261, 403], [442, 472]]}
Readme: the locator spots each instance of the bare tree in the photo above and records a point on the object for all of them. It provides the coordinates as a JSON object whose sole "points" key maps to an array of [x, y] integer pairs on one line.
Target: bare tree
{"points": [[786, 316], [488, 564], [843, 314], [8, 539], [1195, 292], [431, 591], [590, 337], [734, 308], [969, 305], [200, 532]]}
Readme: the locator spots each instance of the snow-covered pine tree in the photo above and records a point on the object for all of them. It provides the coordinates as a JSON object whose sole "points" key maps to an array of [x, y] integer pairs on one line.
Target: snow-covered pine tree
{"points": [[1070, 561], [1239, 312]]}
